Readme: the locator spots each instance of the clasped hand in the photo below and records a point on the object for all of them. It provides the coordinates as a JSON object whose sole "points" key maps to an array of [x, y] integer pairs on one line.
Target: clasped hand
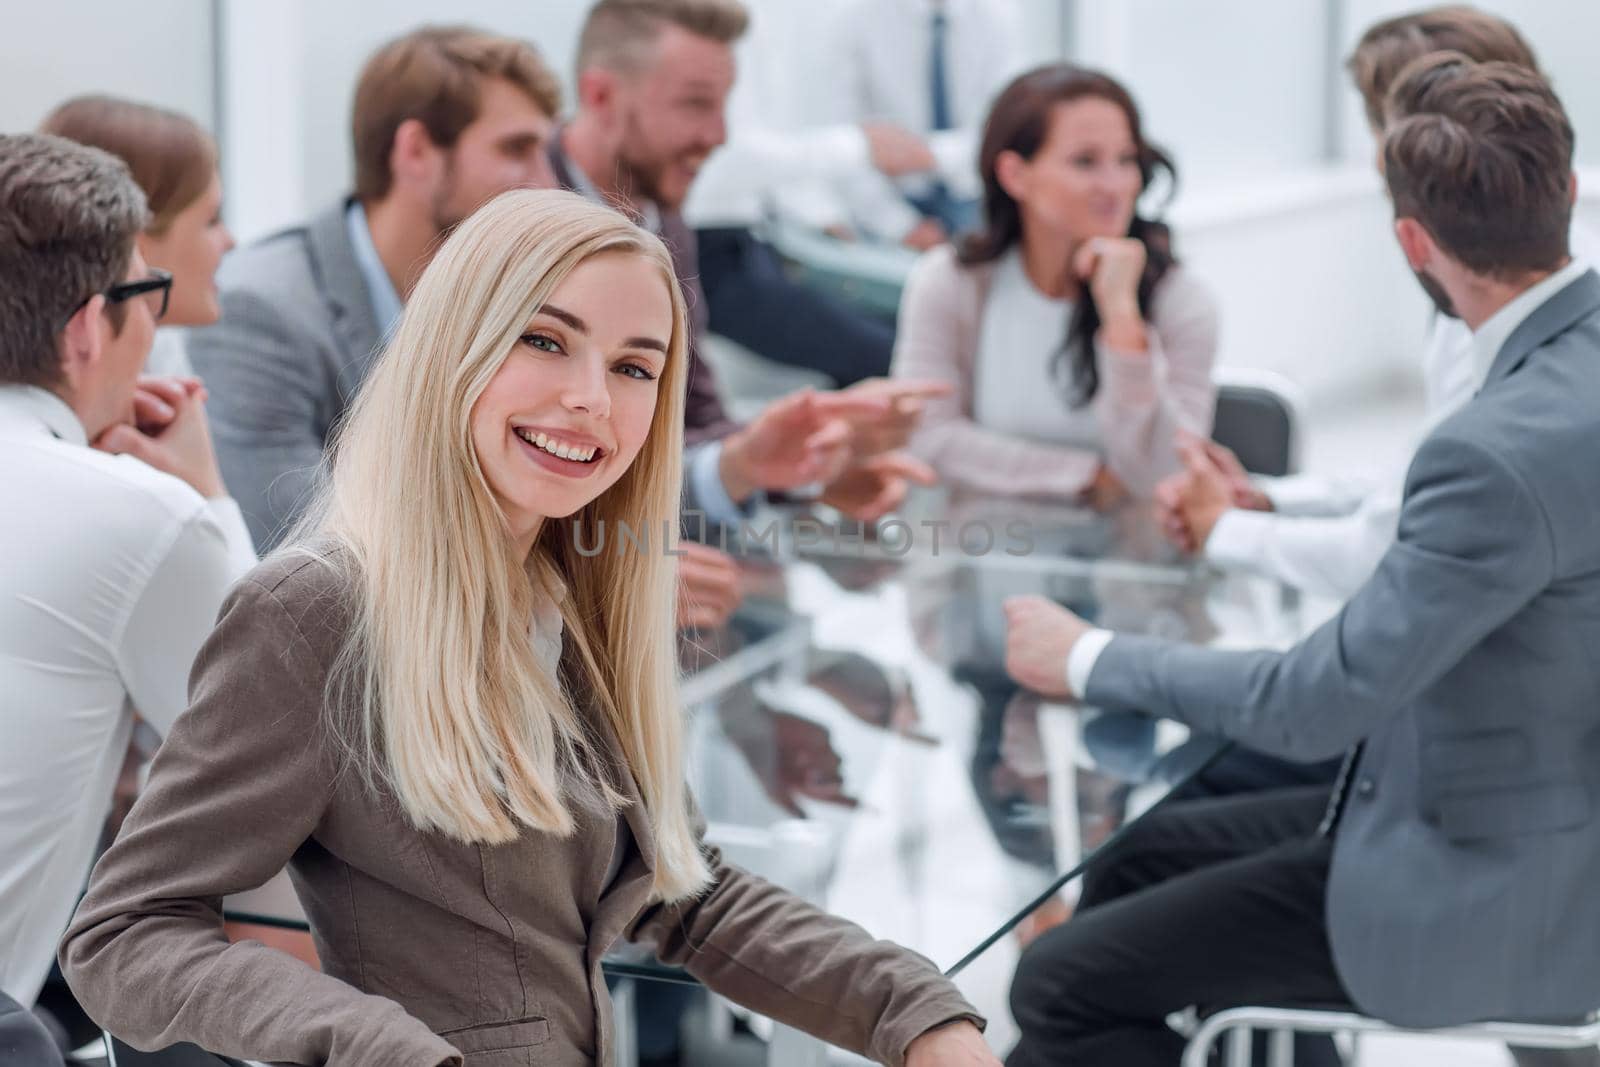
{"points": [[167, 429], [1189, 504]]}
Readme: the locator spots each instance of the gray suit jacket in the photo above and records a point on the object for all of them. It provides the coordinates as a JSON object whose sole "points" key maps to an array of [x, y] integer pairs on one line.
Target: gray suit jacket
{"points": [[295, 340], [1466, 868]]}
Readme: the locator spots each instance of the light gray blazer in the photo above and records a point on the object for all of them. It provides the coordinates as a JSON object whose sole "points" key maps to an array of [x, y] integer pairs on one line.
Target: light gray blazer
{"points": [[296, 338], [1466, 870]]}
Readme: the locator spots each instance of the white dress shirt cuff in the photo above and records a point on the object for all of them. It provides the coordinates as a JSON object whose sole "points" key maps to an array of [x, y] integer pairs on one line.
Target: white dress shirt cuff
{"points": [[705, 482], [1312, 494], [1081, 660], [241, 549], [1237, 538]]}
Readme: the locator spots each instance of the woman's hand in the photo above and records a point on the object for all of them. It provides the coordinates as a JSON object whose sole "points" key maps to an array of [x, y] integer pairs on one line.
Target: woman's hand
{"points": [[1112, 267], [952, 1045]]}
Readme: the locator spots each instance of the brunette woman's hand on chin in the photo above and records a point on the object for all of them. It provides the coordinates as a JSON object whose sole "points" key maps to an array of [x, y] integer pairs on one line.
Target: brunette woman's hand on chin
{"points": [[1111, 267], [958, 1044]]}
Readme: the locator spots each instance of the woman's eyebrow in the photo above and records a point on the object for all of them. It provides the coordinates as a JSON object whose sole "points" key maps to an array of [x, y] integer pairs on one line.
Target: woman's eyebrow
{"points": [[582, 327], [565, 316]]}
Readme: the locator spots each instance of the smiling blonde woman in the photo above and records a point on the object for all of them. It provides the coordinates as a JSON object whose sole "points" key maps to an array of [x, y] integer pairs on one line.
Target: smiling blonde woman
{"points": [[460, 735]]}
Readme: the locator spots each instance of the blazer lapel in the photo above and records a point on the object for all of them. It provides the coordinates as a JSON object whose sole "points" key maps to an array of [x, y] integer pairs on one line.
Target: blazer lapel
{"points": [[1554, 316], [339, 275]]}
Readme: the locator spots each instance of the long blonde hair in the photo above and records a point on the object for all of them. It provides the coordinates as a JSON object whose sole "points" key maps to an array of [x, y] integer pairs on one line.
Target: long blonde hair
{"points": [[452, 710]]}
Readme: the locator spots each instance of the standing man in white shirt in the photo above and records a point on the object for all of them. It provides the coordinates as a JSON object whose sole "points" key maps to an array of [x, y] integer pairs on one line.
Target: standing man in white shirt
{"points": [[119, 538], [932, 67], [778, 163]]}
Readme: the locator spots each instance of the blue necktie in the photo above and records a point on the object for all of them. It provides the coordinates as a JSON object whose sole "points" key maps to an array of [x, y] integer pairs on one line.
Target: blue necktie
{"points": [[938, 79]]}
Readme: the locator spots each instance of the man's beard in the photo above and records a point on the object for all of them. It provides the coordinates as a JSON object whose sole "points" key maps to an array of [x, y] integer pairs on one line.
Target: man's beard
{"points": [[639, 178], [446, 214], [1441, 299]]}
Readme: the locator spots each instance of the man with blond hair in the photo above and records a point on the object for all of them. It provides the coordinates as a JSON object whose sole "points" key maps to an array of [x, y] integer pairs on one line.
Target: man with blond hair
{"points": [[653, 83]]}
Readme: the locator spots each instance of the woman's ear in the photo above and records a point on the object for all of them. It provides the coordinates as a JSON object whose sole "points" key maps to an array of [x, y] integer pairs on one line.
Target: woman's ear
{"points": [[1011, 171]]}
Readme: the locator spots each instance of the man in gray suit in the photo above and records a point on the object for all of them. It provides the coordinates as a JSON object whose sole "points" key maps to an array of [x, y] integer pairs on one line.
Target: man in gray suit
{"points": [[444, 119], [1453, 877]]}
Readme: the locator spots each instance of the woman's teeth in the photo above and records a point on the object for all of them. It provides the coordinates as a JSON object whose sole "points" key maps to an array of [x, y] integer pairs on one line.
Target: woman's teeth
{"points": [[576, 453]]}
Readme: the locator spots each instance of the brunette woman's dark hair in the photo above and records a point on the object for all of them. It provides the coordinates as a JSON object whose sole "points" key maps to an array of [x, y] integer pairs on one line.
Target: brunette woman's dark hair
{"points": [[1018, 122]]}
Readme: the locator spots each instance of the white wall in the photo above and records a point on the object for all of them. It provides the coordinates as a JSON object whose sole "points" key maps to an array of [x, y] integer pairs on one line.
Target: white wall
{"points": [[1232, 88], [157, 51], [291, 71], [1309, 281], [1299, 253]]}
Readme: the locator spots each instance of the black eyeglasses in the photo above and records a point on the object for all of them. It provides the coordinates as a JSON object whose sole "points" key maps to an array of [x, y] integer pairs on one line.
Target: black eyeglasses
{"points": [[160, 281]]}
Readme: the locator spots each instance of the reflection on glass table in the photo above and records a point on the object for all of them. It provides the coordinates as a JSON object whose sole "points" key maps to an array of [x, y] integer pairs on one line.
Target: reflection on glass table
{"points": [[938, 523], [862, 745]]}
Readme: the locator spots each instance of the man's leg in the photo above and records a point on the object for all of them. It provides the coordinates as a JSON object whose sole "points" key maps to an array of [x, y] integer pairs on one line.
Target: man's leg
{"points": [[1243, 770], [1215, 904], [1183, 836], [752, 301]]}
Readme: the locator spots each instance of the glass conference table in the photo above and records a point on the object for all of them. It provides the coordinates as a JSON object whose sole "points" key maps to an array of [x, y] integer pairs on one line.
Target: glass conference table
{"points": [[854, 737]]}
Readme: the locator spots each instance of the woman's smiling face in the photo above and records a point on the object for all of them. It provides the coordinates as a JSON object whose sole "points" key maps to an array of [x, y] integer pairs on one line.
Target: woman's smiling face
{"points": [[567, 412]]}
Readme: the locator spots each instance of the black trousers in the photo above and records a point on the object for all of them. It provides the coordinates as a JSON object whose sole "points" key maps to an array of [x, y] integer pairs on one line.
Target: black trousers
{"points": [[1244, 770], [1215, 903], [752, 301]]}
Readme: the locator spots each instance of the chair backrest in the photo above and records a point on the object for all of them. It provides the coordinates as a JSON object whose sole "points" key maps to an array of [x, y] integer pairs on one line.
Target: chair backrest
{"points": [[120, 1054], [1258, 419]]}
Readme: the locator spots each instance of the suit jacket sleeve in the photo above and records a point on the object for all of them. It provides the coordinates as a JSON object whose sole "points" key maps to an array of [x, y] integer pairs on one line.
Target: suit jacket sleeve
{"points": [[241, 781], [1474, 546], [270, 408], [767, 949]]}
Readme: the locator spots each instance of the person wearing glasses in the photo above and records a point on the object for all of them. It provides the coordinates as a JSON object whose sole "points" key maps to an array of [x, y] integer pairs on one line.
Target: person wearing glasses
{"points": [[175, 163], [119, 537]]}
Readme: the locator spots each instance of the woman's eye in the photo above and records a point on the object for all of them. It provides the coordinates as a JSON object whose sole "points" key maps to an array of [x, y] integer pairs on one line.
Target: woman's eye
{"points": [[634, 370], [542, 342]]}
